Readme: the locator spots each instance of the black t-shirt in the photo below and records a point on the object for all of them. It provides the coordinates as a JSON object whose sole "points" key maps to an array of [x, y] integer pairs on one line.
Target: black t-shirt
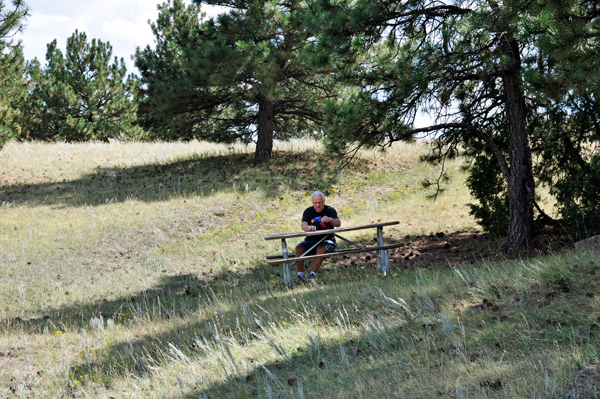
{"points": [[310, 214]]}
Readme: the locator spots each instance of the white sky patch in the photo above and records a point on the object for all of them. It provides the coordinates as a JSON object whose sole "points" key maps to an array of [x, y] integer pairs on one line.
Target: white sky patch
{"points": [[123, 23]]}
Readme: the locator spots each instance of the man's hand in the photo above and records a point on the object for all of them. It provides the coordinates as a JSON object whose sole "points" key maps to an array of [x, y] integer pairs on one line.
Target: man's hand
{"points": [[305, 227]]}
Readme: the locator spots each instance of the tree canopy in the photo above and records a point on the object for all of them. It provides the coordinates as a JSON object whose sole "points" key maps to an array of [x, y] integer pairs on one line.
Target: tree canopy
{"points": [[81, 95], [242, 76], [477, 67], [12, 84]]}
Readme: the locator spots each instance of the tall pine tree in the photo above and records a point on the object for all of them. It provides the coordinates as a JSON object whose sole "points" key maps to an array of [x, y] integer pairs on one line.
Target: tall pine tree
{"points": [[471, 65], [566, 85], [82, 95], [12, 84], [242, 76]]}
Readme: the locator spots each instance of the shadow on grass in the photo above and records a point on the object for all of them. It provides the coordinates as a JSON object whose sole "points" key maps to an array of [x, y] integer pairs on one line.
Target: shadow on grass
{"points": [[194, 176], [182, 310], [173, 296], [243, 320], [180, 295], [315, 370], [232, 313]]}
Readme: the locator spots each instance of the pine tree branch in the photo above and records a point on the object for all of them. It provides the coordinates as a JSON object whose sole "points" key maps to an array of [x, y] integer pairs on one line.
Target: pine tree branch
{"points": [[429, 12], [480, 133]]}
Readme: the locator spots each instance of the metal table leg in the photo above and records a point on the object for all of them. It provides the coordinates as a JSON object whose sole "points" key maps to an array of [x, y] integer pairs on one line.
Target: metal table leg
{"points": [[383, 260], [287, 275]]}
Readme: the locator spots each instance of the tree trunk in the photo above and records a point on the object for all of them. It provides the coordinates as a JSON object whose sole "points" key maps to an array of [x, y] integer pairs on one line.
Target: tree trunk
{"points": [[264, 144], [521, 184]]}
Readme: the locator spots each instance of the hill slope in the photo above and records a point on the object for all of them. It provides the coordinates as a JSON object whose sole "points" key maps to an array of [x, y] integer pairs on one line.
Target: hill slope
{"points": [[139, 270]]}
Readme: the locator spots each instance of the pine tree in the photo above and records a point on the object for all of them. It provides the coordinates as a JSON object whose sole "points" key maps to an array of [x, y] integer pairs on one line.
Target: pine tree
{"points": [[12, 84], [566, 84], [468, 64], [242, 76], [81, 95]]}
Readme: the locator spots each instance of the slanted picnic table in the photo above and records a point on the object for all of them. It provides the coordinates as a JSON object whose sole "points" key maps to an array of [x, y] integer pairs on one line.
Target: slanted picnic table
{"points": [[380, 251]]}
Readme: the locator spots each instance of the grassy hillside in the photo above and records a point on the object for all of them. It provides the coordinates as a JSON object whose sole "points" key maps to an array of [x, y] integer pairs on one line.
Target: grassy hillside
{"points": [[138, 270]]}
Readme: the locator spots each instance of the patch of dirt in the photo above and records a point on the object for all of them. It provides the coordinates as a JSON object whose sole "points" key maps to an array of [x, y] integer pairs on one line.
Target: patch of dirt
{"points": [[587, 383], [13, 363], [444, 248]]}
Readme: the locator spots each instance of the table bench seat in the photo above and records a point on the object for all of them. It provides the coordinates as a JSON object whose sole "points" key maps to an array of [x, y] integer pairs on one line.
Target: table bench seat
{"points": [[331, 254]]}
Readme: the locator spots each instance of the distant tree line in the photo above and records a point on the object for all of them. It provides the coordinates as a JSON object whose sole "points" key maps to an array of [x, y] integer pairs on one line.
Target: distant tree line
{"points": [[511, 85], [81, 95]]}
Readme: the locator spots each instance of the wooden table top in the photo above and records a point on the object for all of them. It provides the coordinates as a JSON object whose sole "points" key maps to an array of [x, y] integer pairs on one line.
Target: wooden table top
{"points": [[330, 231]]}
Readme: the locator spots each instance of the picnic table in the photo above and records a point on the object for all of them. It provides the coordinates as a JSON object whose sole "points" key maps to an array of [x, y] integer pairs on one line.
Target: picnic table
{"points": [[380, 251]]}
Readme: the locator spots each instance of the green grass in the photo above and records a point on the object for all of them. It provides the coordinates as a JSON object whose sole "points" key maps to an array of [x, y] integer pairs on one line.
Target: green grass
{"points": [[138, 270]]}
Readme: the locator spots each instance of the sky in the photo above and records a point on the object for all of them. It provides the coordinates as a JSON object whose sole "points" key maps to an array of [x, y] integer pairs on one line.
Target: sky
{"points": [[123, 23]]}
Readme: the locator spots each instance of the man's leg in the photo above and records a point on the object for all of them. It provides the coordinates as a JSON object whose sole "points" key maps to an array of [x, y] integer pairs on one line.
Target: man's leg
{"points": [[300, 263], [317, 262]]}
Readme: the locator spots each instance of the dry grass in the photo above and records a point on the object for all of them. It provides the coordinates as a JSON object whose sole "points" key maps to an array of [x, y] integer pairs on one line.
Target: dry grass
{"points": [[137, 270]]}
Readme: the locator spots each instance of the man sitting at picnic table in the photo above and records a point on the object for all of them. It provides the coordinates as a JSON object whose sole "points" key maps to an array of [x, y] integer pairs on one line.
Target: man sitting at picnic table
{"points": [[328, 220]]}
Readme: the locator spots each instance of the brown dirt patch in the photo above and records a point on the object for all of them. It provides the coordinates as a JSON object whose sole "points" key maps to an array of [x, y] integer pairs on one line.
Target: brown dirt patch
{"points": [[445, 248], [587, 383]]}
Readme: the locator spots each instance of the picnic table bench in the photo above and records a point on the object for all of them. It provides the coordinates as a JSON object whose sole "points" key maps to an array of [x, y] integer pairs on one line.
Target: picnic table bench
{"points": [[380, 251]]}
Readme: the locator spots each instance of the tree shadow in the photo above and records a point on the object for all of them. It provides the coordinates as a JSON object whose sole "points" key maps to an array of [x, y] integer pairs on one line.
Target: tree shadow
{"points": [[335, 363], [173, 296], [198, 175], [236, 309], [145, 354], [180, 295], [235, 299]]}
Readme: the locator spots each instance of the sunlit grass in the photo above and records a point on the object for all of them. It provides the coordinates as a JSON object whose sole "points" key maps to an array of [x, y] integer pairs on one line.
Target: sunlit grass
{"points": [[138, 270]]}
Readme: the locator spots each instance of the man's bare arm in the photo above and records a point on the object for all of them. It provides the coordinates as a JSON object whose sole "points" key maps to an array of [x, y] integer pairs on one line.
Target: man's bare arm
{"points": [[334, 222]]}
